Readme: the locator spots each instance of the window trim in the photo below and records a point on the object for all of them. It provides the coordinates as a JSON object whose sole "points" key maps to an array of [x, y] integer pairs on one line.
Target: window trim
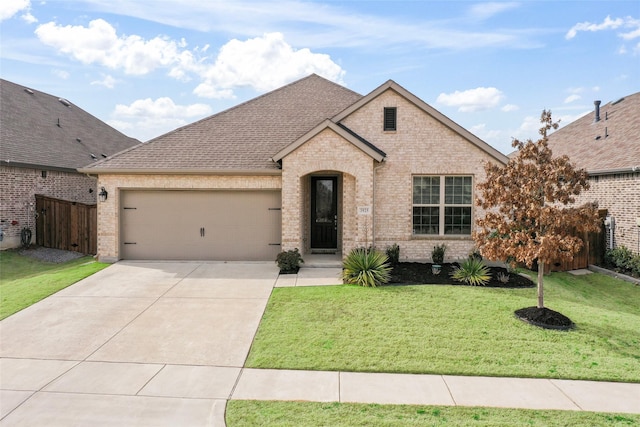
{"points": [[386, 128], [442, 205]]}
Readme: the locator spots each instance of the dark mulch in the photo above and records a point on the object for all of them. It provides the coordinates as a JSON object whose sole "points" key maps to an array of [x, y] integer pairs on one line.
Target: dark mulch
{"points": [[415, 273], [544, 318]]}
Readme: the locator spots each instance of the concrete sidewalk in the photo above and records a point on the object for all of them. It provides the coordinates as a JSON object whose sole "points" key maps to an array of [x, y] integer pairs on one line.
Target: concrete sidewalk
{"points": [[446, 390]]}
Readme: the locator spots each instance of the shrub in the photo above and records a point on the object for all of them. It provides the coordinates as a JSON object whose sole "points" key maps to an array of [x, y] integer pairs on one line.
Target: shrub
{"points": [[437, 254], [473, 272], [366, 268], [393, 253], [289, 261], [503, 278], [623, 260]]}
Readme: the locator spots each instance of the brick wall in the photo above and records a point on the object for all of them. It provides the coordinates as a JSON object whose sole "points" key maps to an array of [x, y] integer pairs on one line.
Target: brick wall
{"points": [[620, 195], [420, 145], [327, 153], [108, 211], [18, 186]]}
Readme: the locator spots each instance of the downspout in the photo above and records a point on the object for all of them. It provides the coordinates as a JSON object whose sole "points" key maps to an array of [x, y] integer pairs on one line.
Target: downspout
{"points": [[373, 208]]}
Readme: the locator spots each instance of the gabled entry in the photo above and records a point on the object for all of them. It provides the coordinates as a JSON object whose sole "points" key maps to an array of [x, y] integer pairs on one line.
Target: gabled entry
{"points": [[324, 212]]}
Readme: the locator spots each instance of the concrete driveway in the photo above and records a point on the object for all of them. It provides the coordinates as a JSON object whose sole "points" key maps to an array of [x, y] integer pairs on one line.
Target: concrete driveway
{"points": [[139, 343]]}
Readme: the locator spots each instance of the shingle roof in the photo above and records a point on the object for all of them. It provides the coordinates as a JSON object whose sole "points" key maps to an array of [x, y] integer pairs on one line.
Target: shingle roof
{"points": [[30, 134], [618, 145], [242, 138]]}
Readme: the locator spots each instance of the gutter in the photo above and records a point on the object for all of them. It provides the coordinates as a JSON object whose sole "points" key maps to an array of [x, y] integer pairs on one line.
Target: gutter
{"points": [[11, 164], [139, 171], [600, 172]]}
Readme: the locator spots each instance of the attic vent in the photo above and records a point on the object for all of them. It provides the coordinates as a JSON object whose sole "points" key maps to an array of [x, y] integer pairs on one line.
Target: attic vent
{"points": [[104, 155], [93, 156], [390, 118], [29, 91], [618, 101], [78, 139], [64, 102]]}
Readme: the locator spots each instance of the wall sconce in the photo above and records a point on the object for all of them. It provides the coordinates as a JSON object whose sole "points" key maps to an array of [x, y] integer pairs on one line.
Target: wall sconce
{"points": [[103, 194]]}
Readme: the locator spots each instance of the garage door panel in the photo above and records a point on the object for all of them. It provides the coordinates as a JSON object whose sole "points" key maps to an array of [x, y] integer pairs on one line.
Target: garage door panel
{"points": [[200, 225]]}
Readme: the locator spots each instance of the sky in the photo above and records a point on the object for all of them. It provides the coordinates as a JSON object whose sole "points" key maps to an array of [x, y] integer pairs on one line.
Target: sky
{"points": [[147, 67]]}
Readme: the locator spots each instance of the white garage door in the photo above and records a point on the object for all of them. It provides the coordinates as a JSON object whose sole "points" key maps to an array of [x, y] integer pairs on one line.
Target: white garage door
{"points": [[200, 225]]}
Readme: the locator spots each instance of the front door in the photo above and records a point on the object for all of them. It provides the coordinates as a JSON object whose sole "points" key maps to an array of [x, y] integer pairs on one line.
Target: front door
{"points": [[324, 212]]}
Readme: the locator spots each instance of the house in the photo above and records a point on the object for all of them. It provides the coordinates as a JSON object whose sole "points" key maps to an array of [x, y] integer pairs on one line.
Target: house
{"points": [[606, 143], [312, 165], [43, 140]]}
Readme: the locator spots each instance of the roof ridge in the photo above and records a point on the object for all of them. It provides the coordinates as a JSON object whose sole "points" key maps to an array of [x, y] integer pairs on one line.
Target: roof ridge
{"points": [[248, 101]]}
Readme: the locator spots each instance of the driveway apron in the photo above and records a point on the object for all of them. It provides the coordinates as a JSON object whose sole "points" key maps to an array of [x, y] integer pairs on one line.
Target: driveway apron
{"points": [[138, 343]]}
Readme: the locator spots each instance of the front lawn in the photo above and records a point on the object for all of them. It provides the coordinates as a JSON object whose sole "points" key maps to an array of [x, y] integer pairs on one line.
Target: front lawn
{"points": [[454, 330], [253, 413], [25, 281]]}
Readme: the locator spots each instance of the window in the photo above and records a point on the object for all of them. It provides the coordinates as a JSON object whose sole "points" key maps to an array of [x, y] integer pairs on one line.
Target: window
{"points": [[390, 116], [442, 209]]}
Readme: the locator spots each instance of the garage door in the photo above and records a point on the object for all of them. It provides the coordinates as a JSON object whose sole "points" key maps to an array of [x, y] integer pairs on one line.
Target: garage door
{"points": [[200, 225]]}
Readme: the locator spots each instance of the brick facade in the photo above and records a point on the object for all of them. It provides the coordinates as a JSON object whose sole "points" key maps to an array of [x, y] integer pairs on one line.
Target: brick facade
{"points": [[421, 145], [620, 195], [18, 187]]}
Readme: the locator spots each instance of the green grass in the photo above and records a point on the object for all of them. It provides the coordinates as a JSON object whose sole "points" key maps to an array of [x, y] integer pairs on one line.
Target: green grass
{"points": [[253, 413], [455, 330], [25, 281]]}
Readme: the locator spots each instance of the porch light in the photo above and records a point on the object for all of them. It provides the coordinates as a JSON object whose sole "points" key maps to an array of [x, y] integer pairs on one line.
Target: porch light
{"points": [[103, 194]]}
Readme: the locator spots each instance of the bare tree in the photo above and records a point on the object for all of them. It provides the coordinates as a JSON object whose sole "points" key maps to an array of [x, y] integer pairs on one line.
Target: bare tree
{"points": [[529, 202]]}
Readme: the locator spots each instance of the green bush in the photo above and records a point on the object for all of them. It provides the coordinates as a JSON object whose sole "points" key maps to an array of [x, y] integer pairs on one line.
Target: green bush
{"points": [[437, 254], [623, 260], [289, 261], [393, 253], [366, 268], [472, 271]]}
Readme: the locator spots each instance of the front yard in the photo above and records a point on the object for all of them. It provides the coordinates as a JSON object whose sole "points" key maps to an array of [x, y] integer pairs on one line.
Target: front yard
{"points": [[25, 281], [455, 330]]}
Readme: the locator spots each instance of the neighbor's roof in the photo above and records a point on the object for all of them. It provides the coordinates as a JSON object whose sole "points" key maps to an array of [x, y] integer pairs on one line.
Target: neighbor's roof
{"points": [[611, 144], [48, 132], [242, 138]]}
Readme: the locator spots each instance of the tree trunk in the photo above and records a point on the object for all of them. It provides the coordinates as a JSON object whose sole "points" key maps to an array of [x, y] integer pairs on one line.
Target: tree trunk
{"points": [[540, 283]]}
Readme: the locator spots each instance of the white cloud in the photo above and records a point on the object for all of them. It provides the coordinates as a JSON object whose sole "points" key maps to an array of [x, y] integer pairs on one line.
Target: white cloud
{"points": [[8, 8], [263, 63], [163, 107], [481, 98], [569, 99], [108, 82], [147, 118], [64, 75], [510, 107], [99, 43], [632, 24], [487, 10]]}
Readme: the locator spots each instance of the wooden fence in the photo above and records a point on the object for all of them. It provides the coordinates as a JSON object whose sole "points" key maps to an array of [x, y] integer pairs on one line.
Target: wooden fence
{"points": [[70, 226], [592, 251]]}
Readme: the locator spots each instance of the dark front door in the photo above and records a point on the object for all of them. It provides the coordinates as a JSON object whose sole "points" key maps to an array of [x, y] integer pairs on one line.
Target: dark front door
{"points": [[324, 212]]}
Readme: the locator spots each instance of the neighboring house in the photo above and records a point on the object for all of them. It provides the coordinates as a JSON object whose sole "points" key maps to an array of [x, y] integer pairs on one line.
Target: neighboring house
{"points": [[607, 144], [43, 140], [312, 165]]}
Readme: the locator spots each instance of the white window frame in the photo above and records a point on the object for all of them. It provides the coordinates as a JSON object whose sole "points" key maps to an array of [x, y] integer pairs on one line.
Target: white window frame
{"points": [[442, 205]]}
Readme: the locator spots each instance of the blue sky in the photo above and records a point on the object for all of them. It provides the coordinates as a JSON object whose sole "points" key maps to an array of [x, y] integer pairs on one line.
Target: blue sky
{"points": [[149, 66]]}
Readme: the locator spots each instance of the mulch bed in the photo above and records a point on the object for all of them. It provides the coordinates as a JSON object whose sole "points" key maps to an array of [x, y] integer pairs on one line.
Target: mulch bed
{"points": [[544, 318], [415, 273]]}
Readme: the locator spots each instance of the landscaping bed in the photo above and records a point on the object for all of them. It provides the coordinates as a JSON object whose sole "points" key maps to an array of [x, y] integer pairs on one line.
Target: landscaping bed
{"points": [[415, 273]]}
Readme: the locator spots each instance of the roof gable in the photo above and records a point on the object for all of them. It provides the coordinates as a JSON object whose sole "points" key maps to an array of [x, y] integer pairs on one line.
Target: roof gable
{"points": [[437, 115], [44, 131], [611, 144], [242, 138], [347, 134]]}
